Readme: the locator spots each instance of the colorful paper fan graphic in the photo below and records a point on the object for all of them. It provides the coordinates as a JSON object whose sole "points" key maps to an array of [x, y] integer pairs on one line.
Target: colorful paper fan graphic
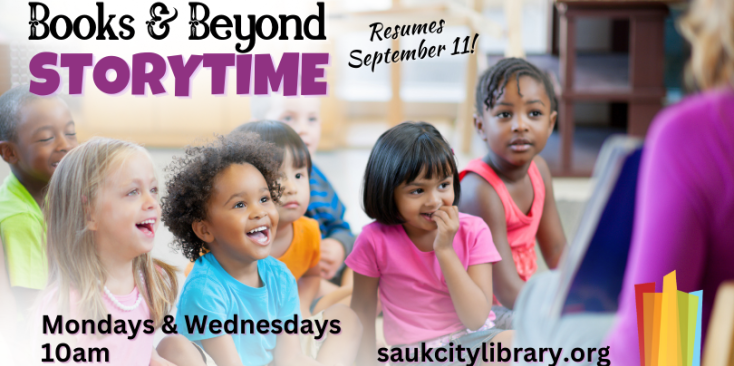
{"points": [[668, 324]]}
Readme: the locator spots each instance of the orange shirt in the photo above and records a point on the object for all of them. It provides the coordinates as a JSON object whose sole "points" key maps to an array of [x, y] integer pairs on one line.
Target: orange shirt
{"points": [[304, 252]]}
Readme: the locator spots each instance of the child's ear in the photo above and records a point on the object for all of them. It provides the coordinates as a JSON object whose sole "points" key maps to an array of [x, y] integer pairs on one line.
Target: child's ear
{"points": [[7, 150], [89, 216], [479, 126], [201, 229], [553, 118]]}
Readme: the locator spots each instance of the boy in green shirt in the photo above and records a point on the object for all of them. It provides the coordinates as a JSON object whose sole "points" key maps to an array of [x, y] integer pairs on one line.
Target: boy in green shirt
{"points": [[35, 133]]}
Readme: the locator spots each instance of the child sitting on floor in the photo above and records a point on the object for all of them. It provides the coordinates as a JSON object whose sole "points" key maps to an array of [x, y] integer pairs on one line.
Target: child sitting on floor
{"points": [[35, 134], [303, 115], [511, 188], [223, 197], [103, 215], [297, 242], [431, 264]]}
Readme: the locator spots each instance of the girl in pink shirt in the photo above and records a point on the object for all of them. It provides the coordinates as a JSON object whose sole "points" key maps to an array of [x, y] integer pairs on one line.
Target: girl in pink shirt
{"points": [[431, 264], [102, 215]]}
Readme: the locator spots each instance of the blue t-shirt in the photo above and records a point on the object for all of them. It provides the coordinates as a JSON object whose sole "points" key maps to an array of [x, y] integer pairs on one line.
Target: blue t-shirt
{"points": [[209, 290]]}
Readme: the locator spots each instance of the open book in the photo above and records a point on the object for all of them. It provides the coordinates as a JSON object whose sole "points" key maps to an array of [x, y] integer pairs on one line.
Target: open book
{"points": [[593, 266]]}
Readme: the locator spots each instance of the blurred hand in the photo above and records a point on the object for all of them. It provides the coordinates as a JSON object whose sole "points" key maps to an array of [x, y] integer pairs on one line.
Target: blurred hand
{"points": [[332, 257]]}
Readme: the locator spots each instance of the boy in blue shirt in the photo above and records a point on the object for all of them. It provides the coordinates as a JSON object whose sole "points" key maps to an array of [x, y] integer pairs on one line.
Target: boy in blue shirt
{"points": [[222, 197]]}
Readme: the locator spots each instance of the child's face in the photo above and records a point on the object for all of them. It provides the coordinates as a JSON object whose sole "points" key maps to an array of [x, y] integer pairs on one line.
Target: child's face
{"points": [[419, 199], [296, 190], [45, 134], [241, 215], [518, 126], [303, 115], [126, 214]]}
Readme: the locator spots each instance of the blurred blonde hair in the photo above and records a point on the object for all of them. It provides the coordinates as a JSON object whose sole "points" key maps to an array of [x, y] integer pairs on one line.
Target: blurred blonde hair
{"points": [[709, 27], [72, 255]]}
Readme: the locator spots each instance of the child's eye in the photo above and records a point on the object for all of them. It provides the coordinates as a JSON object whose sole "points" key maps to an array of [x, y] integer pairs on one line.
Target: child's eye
{"points": [[46, 140], [133, 192], [443, 185], [417, 191], [312, 119], [299, 175], [287, 119], [264, 199], [239, 204], [504, 115], [536, 113], [154, 190]]}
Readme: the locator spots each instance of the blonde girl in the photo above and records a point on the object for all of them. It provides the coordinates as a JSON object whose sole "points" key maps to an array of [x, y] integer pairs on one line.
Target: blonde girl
{"points": [[102, 216]]}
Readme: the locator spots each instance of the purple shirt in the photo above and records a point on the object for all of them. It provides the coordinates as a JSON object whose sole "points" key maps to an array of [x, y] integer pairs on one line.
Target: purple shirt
{"points": [[685, 210]]}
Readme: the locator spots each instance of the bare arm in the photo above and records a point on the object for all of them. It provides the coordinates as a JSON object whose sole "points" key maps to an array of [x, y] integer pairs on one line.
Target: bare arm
{"points": [[470, 293], [364, 303], [308, 287], [482, 200], [550, 234]]}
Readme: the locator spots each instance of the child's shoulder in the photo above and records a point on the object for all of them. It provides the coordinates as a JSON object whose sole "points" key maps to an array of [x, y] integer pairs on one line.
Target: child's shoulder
{"points": [[542, 167], [378, 229], [308, 225], [207, 275], [274, 271], [15, 199]]}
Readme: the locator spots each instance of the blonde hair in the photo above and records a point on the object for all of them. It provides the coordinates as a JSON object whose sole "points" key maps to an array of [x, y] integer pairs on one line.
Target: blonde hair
{"points": [[72, 255], [709, 27]]}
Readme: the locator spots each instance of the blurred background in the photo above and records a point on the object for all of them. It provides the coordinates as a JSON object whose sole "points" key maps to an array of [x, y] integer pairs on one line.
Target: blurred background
{"points": [[614, 65]]}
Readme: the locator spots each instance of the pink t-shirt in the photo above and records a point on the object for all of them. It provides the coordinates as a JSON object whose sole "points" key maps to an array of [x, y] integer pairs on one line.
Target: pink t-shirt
{"points": [[416, 302], [122, 351]]}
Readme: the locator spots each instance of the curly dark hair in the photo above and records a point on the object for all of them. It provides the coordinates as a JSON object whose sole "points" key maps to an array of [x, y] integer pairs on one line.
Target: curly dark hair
{"points": [[192, 180], [491, 84]]}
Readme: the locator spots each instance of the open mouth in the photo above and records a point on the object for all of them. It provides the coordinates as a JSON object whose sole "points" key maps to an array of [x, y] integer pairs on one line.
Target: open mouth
{"points": [[55, 164], [147, 227], [260, 235]]}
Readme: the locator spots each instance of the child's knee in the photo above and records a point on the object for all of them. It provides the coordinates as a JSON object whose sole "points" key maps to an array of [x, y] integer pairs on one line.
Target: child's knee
{"points": [[348, 319], [173, 345]]}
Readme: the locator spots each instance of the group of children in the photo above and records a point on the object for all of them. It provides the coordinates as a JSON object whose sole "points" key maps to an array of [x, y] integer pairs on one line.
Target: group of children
{"points": [[265, 233]]}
